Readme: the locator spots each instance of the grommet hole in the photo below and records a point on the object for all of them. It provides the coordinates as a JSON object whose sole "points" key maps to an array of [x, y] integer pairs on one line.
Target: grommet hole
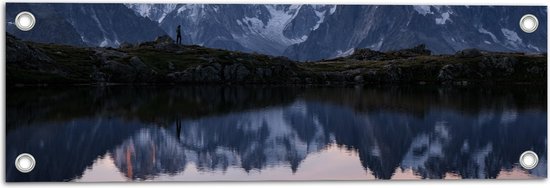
{"points": [[25, 21], [528, 160], [529, 23], [25, 163]]}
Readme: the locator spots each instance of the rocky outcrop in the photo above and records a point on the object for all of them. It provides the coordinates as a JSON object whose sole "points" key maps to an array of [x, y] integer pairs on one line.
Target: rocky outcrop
{"points": [[420, 50], [449, 72], [235, 73], [367, 54], [468, 53], [200, 74], [22, 54], [498, 65], [162, 61], [118, 66]]}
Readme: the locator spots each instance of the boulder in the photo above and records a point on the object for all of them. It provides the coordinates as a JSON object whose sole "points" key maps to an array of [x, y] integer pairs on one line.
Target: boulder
{"points": [[137, 63], [393, 72], [208, 73], [367, 54], [358, 79], [498, 64], [420, 50], [449, 72], [236, 72], [468, 53]]}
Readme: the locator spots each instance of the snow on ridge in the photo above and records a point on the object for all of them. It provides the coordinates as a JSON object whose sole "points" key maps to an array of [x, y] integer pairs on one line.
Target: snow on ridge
{"points": [[182, 9], [104, 43], [348, 52], [423, 9], [378, 45], [511, 37], [142, 9], [292, 7], [192, 11], [444, 18], [533, 47], [167, 9], [484, 31], [152, 11], [321, 16], [333, 9], [273, 30]]}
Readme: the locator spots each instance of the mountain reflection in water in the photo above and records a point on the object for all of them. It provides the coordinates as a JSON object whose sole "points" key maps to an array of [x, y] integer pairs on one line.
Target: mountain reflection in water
{"points": [[275, 133]]}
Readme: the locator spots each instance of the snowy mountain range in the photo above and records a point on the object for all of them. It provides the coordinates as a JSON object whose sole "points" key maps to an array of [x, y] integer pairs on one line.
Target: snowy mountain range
{"points": [[444, 29], [82, 24], [300, 32], [267, 29], [312, 32]]}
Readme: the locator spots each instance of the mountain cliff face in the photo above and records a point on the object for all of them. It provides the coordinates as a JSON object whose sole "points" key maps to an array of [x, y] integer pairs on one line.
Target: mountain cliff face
{"points": [[444, 29], [300, 32], [313, 32], [266, 29], [83, 24]]}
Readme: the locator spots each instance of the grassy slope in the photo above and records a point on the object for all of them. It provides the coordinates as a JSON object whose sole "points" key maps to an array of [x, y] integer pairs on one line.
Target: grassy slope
{"points": [[79, 63]]}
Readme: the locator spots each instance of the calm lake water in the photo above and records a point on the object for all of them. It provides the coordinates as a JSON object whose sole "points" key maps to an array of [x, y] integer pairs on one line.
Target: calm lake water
{"points": [[206, 133]]}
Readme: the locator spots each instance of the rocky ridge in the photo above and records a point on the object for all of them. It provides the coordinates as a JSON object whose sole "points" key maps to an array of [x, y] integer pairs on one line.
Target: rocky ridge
{"points": [[162, 61]]}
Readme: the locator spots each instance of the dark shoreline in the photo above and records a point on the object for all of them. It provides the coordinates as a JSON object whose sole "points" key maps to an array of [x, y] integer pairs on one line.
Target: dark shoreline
{"points": [[347, 85]]}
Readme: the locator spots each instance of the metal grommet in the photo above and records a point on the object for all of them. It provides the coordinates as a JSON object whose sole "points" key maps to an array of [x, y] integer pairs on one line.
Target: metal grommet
{"points": [[25, 21], [529, 23], [528, 160], [25, 163]]}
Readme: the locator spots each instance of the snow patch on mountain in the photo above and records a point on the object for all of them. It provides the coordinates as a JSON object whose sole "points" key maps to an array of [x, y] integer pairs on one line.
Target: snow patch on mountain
{"points": [[444, 18], [107, 42], [512, 37], [155, 12], [273, 30], [195, 11], [484, 31], [423, 9], [342, 53], [378, 45], [533, 47], [321, 15], [333, 9]]}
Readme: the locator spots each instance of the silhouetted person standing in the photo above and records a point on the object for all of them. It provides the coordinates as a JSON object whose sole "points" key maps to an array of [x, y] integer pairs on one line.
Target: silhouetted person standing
{"points": [[178, 35]]}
